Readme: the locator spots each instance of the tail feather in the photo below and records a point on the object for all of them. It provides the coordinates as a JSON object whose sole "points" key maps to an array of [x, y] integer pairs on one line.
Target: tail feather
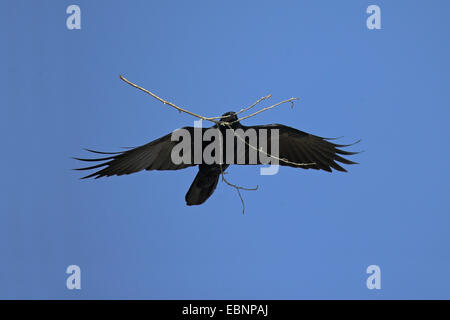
{"points": [[202, 188]]}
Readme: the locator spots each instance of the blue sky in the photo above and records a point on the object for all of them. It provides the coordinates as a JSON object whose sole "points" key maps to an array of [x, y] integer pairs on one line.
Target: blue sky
{"points": [[305, 235]]}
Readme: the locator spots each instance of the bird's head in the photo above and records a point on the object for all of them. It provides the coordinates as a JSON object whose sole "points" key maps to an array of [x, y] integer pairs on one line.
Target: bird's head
{"points": [[229, 117]]}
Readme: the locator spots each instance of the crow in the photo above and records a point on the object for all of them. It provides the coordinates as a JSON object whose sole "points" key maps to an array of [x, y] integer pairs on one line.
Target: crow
{"points": [[296, 149]]}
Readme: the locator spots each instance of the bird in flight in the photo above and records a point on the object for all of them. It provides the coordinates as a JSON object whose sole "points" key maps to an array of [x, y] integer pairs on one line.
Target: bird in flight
{"points": [[296, 149]]}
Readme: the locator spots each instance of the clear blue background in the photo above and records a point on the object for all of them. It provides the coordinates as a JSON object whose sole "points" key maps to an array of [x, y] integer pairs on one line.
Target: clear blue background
{"points": [[305, 234]]}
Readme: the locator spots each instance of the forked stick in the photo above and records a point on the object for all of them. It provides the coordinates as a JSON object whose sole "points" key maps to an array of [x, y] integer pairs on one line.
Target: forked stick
{"points": [[228, 124]]}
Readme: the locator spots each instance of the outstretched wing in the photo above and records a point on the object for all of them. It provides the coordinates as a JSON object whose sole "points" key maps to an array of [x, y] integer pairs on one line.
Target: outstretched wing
{"points": [[303, 150], [155, 155]]}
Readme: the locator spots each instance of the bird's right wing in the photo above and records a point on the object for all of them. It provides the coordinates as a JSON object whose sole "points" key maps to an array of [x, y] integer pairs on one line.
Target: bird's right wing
{"points": [[300, 149], [155, 155]]}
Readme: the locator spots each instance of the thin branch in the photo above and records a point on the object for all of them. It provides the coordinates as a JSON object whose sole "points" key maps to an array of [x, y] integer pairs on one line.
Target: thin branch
{"points": [[258, 101], [228, 124], [244, 109], [166, 102], [237, 188], [265, 153], [291, 100], [226, 181]]}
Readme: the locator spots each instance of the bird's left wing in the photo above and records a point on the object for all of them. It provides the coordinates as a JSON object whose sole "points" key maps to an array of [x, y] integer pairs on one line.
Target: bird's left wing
{"points": [[155, 155]]}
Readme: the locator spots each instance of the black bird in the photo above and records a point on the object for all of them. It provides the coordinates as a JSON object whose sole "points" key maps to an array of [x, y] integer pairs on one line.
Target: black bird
{"points": [[297, 149]]}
